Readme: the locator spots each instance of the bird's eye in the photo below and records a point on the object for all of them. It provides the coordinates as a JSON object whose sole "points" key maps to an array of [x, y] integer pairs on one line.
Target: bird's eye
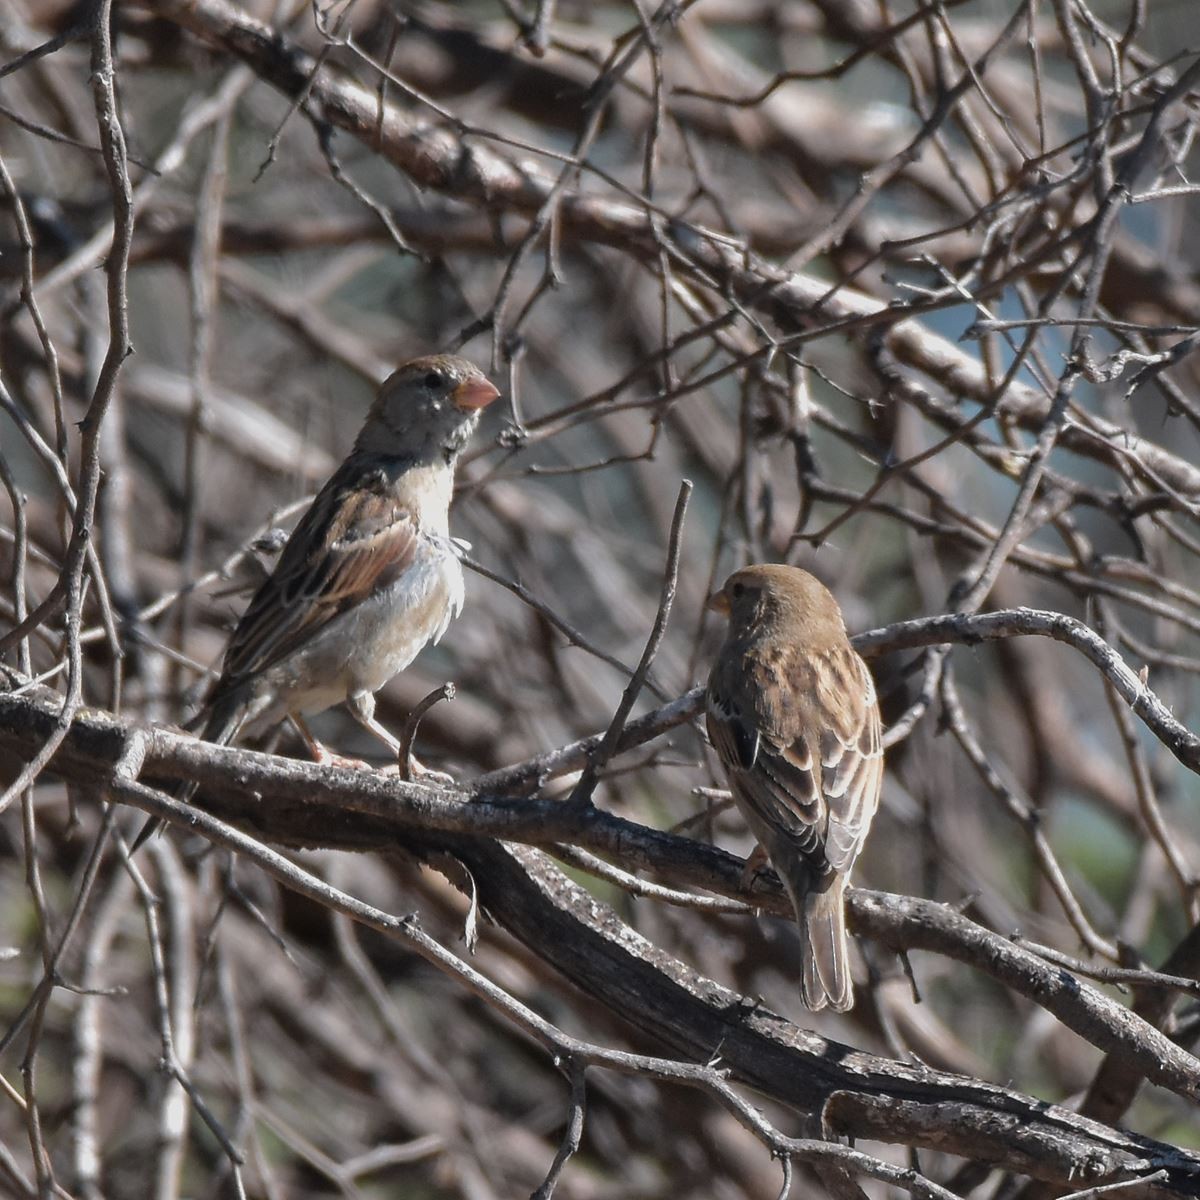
{"points": [[434, 380], [737, 591]]}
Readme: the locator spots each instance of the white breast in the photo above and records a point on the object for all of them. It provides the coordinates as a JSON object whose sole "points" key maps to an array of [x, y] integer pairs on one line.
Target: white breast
{"points": [[362, 649], [392, 628]]}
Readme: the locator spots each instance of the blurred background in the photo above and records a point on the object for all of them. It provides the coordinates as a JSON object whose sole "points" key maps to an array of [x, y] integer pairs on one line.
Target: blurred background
{"points": [[939, 179]]}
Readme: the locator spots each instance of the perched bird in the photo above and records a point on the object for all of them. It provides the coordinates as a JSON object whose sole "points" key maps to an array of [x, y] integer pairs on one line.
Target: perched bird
{"points": [[368, 576], [792, 715]]}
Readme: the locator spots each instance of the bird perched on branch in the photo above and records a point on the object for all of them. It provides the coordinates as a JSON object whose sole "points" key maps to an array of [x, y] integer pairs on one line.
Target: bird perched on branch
{"points": [[792, 715], [368, 576]]}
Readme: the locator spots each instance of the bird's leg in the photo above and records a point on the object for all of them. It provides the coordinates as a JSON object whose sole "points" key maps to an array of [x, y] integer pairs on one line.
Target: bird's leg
{"points": [[321, 756], [757, 862], [363, 709], [318, 752]]}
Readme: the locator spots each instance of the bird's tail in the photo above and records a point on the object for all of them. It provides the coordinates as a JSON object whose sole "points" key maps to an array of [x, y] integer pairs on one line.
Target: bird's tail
{"points": [[824, 950], [220, 724]]}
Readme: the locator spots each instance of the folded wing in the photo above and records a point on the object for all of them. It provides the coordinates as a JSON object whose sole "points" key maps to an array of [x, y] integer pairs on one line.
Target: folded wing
{"points": [[353, 542], [800, 740]]}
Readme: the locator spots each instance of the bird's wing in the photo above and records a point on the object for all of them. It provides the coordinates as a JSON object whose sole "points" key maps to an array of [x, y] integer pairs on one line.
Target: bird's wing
{"points": [[799, 737], [356, 539], [851, 753]]}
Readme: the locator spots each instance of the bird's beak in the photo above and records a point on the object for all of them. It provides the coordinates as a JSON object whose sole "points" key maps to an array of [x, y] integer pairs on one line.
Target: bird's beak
{"points": [[474, 393], [718, 602]]}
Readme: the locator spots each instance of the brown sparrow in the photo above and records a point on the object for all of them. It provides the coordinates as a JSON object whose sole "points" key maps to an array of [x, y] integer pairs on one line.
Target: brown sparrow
{"points": [[792, 715], [368, 576]]}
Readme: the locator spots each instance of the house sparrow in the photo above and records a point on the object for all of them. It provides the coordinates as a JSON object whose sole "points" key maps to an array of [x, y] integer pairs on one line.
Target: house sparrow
{"points": [[368, 576], [792, 715]]}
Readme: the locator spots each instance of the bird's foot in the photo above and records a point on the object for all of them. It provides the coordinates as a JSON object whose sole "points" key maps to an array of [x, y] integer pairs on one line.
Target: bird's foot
{"points": [[321, 755], [327, 758], [754, 866]]}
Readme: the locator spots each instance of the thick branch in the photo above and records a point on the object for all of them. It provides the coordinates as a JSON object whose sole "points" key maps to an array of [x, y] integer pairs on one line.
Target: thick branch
{"points": [[300, 803], [702, 1021]]}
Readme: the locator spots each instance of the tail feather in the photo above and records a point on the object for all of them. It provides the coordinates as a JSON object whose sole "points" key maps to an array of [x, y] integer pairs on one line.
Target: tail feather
{"points": [[824, 950], [221, 726]]}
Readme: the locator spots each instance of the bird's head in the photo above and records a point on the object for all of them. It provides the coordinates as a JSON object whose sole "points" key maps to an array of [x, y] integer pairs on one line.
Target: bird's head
{"points": [[781, 597], [427, 409]]}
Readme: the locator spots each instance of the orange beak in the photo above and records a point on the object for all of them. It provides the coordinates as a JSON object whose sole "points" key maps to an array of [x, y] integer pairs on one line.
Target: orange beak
{"points": [[718, 602], [474, 393]]}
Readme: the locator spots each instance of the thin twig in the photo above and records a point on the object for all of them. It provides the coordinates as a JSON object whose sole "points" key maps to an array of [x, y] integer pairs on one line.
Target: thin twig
{"points": [[582, 793]]}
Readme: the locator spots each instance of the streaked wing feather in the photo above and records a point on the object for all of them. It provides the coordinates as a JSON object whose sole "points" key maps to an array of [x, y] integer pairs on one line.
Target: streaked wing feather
{"points": [[780, 788], [784, 789], [735, 741], [817, 773], [853, 770], [353, 541]]}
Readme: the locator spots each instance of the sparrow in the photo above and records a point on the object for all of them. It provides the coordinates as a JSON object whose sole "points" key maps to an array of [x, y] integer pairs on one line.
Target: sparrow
{"points": [[368, 576], [792, 715]]}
